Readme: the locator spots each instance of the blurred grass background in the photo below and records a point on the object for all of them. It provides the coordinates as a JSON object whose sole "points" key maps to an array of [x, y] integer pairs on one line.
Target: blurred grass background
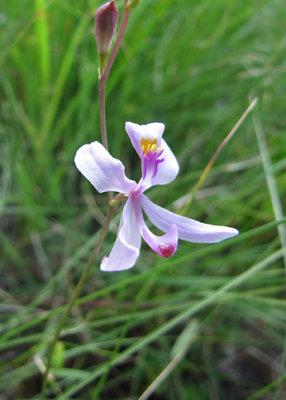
{"points": [[214, 314]]}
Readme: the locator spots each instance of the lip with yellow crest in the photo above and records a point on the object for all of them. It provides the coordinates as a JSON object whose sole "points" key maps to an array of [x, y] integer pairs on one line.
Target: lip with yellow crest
{"points": [[152, 149], [145, 136], [149, 146]]}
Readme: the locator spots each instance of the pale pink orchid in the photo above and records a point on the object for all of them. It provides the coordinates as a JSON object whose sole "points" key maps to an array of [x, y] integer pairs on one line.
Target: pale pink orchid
{"points": [[159, 167]]}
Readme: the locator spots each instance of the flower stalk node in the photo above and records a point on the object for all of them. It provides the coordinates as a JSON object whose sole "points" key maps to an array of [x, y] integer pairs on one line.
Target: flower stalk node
{"points": [[117, 200]]}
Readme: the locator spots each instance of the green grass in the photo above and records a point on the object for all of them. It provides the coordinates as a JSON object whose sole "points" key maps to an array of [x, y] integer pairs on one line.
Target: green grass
{"points": [[194, 66]]}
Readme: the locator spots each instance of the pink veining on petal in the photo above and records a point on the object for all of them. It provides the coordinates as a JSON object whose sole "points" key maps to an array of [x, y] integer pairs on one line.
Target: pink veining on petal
{"points": [[150, 165], [150, 157]]}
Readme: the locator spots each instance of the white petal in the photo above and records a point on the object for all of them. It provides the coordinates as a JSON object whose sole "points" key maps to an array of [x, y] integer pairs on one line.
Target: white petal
{"points": [[104, 172], [168, 169], [126, 248], [137, 132], [188, 229]]}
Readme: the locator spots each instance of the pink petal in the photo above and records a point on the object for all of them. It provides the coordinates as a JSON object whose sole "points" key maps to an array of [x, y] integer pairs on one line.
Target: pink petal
{"points": [[165, 245], [126, 248], [188, 229], [104, 172]]}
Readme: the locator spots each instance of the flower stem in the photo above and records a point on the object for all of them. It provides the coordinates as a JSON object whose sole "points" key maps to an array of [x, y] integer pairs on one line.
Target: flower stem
{"points": [[75, 295], [102, 89], [103, 78], [102, 86]]}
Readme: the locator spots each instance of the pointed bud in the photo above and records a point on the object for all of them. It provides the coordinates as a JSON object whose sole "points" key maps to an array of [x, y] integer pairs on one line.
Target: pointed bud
{"points": [[105, 25]]}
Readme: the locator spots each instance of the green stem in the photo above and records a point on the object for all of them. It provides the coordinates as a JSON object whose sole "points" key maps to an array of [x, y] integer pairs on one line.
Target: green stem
{"points": [[76, 293]]}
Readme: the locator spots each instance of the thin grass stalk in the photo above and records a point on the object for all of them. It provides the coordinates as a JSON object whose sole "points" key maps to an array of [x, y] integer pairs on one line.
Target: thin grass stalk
{"points": [[216, 153], [271, 182]]}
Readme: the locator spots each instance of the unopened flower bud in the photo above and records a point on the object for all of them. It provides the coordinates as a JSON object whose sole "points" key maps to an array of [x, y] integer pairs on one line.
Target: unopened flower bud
{"points": [[106, 19]]}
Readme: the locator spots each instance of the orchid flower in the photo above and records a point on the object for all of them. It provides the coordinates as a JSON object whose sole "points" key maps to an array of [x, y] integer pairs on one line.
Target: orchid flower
{"points": [[159, 167]]}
